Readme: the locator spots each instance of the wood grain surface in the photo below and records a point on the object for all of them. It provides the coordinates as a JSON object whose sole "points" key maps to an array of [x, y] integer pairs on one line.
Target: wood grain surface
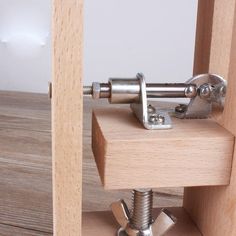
{"points": [[25, 162], [25, 167], [203, 36], [67, 116], [214, 208], [196, 152], [9, 230]]}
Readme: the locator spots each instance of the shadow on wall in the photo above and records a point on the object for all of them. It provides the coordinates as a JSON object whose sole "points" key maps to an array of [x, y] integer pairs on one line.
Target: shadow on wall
{"points": [[25, 62]]}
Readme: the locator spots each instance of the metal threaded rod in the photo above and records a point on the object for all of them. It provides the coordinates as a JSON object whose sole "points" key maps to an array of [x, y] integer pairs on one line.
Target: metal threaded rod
{"points": [[141, 215], [88, 90]]}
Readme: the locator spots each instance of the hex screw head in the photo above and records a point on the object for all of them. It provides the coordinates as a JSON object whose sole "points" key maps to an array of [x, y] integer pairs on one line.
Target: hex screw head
{"points": [[205, 91], [157, 118], [191, 91], [181, 108]]}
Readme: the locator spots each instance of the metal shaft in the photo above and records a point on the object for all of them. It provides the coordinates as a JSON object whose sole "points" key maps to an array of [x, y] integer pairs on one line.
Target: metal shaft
{"points": [[141, 214], [88, 90], [128, 90]]}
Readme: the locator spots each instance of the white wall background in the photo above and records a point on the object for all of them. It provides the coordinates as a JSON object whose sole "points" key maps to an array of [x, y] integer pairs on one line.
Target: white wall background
{"points": [[25, 45], [122, 37]]}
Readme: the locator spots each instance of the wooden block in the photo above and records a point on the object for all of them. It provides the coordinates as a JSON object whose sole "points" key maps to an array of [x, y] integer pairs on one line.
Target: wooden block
{"points": [[194, 153], [103, 223]]}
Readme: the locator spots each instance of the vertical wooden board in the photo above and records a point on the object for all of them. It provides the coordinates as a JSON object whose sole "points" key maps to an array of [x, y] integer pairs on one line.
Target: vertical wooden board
{"points": [[67, 116], [214, 208], [203, 36]]}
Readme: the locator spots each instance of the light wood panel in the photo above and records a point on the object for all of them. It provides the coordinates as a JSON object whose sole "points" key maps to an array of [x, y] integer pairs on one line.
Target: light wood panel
{"points": [[159, 158], [95, 198], [214, 208], [67, 110], [203, 36], [103, 223]]}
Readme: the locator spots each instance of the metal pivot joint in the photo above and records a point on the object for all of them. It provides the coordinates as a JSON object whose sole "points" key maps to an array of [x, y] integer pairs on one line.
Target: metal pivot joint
{"points": [[202, 90], [139, 221]]}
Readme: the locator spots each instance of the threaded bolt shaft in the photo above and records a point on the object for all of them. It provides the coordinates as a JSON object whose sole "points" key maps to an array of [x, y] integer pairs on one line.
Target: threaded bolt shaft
{"points": [[141, 214], [88, 90]]}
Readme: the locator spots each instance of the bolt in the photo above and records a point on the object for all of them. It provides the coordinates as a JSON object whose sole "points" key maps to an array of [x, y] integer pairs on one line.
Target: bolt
{"points": [[88, 90], [151, 109], [206, 91], [157, 118], [139, 221], [181, 108], [141, 215], [191, 91]]}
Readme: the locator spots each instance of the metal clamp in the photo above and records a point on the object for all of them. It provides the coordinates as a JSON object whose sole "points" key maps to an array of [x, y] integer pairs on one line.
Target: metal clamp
{"points": [[149, 116], [139, 221], [210, 89], [203, 91]]}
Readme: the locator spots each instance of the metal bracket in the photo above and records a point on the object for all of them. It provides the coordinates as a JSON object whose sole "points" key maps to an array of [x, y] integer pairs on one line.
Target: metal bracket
{"points": [[211, 89], [203, 91], [149, 116]]}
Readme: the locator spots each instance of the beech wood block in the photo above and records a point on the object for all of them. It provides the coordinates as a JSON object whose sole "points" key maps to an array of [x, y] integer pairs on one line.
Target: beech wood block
{"points": [[103, 223], [196, 152]]}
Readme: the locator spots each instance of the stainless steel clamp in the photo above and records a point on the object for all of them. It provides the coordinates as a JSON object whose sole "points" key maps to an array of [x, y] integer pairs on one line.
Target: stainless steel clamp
{"points": [[203, 91], [139, 220]]}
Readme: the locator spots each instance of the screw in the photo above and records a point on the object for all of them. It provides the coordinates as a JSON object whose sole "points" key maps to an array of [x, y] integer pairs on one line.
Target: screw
{"points": [[139, 221], [181, 108], [151, 109], [206, 91], [191, 91], [141, 215], [87, 90], [157, 118]]}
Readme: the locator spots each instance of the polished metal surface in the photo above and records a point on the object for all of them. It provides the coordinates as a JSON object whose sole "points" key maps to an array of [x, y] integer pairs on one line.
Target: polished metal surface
{"points": [[156, 118], [202, 90], [141, 214], [124, 90], [105, 90], [128, 90], [164, 222], [121, 212], [139, 221], [143, 112], [88, 90], [169, 90], [211, 89], [191, 91], [96, 90]]}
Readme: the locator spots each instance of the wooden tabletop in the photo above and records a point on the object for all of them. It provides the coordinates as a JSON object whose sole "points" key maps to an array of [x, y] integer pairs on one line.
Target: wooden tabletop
{"points": [[25, 167]]}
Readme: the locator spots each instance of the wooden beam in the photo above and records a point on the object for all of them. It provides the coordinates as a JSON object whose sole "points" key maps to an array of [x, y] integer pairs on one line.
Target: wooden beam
{"points": [[213, 208], [151, 159], [203, 36], [67, 116]]}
